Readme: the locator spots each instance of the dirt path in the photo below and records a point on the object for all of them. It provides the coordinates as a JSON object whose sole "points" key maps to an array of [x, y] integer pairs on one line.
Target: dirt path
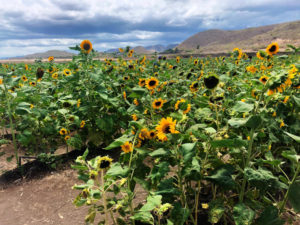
{"points": [[43, 201]]}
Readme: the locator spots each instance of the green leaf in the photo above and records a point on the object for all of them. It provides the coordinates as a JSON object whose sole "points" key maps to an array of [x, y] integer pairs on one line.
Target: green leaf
{"points": [[269, 217], [228, 143], [291, 156], [294, 196], [159, 171], [187, 151], [262, 179], [179, 214], [237, 122], [296, 138], [118, 142], [254, 122], [223, 177], [116, 170], [216, 211], [243, 215], [159, 152], [243, 107]]}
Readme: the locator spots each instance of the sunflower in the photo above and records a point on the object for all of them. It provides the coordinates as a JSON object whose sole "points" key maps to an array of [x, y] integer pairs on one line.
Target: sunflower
{"points": [[82, 124], [286, 99], [139, 144], [67, 137], [136, 102], [194, 86], [158, 103], [211, 81], [144, 134], [178, 59], [86, 46], [126, 78], [134, 117], [272, 49], [78, 103], [196, 62], [151, 83], [104, 162], [63, 131], [237, 53], [51, 58], [166, 126], [264, 79], [251, 69], [271, 92], [24, 78], [261, 55], [93, 175], [121, 50], [26, 67], [187, 107], [124, 95], [55, 75], [152, 134], [178, 102], [131, 51], [1, 81], [32, 83], [67, 72], [39, 73], [127, 147]]}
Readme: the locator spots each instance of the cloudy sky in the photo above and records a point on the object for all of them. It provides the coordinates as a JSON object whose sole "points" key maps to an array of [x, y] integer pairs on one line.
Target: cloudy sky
{"points": [[30, 26]]}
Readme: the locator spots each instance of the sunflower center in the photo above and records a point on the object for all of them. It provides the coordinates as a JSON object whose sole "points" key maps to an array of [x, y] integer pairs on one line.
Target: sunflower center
{"points": [[104, 164], [167, 129], [158, 103], [152, 82], [273, 48], [195, 85], [86, 46], [264, 79]]}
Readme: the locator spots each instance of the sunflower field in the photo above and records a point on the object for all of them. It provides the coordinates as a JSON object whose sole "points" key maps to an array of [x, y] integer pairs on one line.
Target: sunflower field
{"points": [[207, 140]]}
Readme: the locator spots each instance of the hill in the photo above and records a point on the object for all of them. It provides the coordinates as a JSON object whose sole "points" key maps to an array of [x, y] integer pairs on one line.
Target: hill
{"points": [[250, 39], [43, 55]]}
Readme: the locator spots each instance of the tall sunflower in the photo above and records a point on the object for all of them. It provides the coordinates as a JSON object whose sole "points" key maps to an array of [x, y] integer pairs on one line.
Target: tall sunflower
{"points": [[272, 49], [127, 147], [151, 83], [211, 81], [166, 126], [158, 103], [86, 46], [104, 162], [263, 79], [51, 58]]}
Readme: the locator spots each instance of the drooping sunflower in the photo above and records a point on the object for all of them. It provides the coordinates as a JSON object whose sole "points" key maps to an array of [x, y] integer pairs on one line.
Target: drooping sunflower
{"points": [[136, 102], [24, 78], [63, 131], [211, 81], [51, 58], [82, 124], [67, 72], [32, 83], [261, 55], [263, 79], [127, 147], [103, 162], [67, 137], [142, 82], [272, 49], [86, 46], [134, 117], [152, 83], [194, 86], [39, 73], [144, 134], [237, 53], [166, 126], [55, 75], [158, 103]]}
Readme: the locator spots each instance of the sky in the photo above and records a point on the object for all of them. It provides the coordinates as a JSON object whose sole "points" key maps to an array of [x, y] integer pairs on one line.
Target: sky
{"points": [[30, 26]]}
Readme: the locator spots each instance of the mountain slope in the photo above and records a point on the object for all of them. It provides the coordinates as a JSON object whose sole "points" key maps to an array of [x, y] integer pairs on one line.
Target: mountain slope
{"points": [[43, 55], [250, 39]]}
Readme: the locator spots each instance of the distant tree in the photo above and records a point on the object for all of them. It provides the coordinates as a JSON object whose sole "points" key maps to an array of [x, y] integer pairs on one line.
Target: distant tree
{"points": [[198, 46]]}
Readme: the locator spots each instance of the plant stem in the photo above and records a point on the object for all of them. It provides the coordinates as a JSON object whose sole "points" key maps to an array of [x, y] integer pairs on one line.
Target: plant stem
{"points": [[197, 202], [288, 191], [104, 198], [241, 197], [11, 125]]}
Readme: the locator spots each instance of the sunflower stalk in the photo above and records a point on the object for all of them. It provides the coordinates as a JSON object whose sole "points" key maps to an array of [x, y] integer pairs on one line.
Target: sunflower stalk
{"points": [[104, 197], [11, 125]]}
